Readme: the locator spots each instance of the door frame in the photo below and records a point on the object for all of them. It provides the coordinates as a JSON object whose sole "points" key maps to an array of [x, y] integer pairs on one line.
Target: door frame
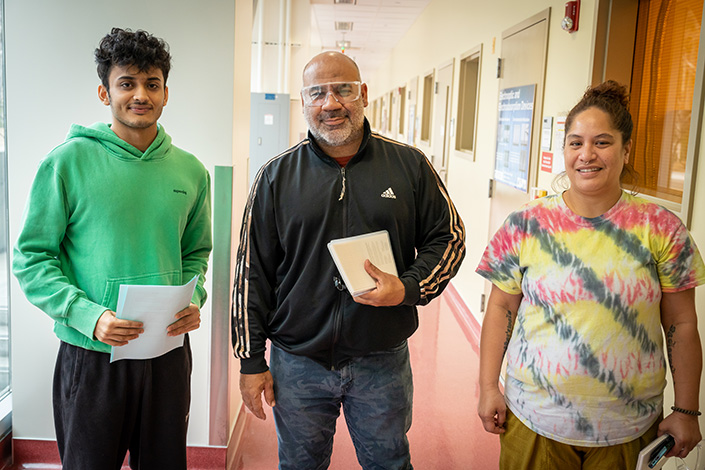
{"points": [[535, 148], [443, 159]]}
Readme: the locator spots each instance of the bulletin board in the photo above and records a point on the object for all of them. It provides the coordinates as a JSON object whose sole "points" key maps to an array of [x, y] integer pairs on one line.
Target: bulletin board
{"points": [[514, 133]]}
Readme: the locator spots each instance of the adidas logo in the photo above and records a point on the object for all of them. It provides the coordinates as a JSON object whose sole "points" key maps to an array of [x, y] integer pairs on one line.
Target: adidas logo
{"points": [[389, 194]]}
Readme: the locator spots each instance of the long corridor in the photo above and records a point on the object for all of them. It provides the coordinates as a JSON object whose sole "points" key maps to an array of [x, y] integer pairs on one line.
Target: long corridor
{"points": [[446, 433]]}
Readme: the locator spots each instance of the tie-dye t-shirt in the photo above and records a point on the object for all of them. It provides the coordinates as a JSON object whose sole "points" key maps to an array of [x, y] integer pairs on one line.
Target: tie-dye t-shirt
{"points": [[585, 363]]}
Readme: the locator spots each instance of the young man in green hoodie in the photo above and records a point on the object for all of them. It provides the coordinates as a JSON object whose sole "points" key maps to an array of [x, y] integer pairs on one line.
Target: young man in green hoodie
{"points": [[117, 204]]}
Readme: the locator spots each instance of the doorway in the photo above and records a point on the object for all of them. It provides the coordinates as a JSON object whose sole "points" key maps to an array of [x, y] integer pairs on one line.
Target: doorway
{"points": [[523, 64]]}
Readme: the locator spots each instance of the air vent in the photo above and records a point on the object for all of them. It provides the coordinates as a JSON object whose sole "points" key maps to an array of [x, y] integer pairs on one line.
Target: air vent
{"points": [[345, 2], [343, 25]]}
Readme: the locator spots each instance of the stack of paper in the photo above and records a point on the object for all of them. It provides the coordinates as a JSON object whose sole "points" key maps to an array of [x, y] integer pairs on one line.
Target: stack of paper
{"points": [[155, 307], [350, 254]]}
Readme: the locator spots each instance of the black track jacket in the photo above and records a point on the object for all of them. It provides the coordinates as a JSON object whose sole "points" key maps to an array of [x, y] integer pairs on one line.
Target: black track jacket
{"points": [[285, 279]]}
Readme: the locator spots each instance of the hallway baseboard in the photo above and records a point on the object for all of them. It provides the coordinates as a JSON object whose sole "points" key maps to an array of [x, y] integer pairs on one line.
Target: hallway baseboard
{"points": [[467, 321], [44, 455], [234, 452]]}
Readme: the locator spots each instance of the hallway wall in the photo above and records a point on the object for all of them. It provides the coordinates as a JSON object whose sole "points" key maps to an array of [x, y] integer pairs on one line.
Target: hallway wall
{"points": [[51, 83]]}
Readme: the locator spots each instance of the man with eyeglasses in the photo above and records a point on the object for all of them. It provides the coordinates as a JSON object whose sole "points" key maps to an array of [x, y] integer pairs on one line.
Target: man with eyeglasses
{"points": [[328, 347]]}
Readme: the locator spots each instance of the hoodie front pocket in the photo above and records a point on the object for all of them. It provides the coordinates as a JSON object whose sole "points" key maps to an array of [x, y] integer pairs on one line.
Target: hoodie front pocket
{"points": [[112, 285]]}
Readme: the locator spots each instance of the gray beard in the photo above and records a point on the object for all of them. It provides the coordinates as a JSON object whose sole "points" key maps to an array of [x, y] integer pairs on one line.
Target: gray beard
{"points": [[335, 138], [338, 137]]}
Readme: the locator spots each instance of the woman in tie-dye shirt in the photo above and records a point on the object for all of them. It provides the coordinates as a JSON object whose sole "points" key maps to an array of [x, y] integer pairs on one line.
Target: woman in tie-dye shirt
{"points": [[583, 283]]}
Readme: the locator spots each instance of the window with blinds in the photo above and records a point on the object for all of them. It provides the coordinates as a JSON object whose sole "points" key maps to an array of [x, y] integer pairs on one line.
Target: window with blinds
{"points": [[663, 80]]}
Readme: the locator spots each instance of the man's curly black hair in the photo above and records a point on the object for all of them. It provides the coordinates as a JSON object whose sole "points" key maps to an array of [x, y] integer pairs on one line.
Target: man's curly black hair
{"points": [[139, 49]]}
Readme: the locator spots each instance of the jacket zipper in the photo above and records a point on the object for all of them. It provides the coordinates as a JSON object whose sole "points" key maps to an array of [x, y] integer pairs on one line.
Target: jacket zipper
{"points": [[338, 314], [336, 326]]}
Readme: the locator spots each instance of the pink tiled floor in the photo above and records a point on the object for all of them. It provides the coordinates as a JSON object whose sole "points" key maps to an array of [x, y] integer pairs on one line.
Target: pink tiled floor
{"points": [[446, 433]]}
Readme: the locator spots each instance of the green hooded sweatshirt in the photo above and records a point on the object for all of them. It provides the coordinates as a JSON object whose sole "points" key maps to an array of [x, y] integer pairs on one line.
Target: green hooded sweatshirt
{"points": [[102, 213]]}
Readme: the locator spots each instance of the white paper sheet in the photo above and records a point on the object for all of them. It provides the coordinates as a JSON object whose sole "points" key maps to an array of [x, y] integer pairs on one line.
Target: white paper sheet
{"points": [[155, 307]]}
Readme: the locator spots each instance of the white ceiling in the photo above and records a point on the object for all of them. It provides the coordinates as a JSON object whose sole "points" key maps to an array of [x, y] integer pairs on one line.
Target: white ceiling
{"points": [[377, 26]]}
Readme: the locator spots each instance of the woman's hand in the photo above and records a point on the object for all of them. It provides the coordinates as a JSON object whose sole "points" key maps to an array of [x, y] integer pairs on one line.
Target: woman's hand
{"points": [[684, 429], [492, 410]]}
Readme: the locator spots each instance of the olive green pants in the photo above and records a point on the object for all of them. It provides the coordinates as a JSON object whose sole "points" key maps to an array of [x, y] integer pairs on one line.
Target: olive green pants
{"points": [[523, 449]]}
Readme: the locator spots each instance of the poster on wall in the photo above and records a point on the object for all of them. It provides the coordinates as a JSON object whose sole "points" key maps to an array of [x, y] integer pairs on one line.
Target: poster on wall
{"points": [[558, 158], [514, 129]]}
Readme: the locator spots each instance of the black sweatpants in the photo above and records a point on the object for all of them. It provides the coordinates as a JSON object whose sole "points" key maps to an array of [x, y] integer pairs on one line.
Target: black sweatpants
{"points": [[102, 410]]}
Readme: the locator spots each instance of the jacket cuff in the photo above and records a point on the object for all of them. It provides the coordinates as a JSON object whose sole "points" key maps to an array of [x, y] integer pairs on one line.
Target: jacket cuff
{"points": [[411, 291], [254, 365]]}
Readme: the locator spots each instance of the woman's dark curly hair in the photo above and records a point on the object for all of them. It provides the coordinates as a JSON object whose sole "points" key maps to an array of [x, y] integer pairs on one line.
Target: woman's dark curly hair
{"points": [[612, 98], [138, 49]]}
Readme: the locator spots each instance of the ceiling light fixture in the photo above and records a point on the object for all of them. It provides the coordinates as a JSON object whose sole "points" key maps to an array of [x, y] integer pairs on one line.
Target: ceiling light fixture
{"points": [[342, 45]]}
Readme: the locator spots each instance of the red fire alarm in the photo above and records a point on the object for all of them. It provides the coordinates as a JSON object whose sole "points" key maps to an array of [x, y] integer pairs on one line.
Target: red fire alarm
{"points": [[570, 19]]}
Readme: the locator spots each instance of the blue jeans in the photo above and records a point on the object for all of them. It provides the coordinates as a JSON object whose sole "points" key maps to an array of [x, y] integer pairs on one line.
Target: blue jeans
{"points": [[376, 393]]}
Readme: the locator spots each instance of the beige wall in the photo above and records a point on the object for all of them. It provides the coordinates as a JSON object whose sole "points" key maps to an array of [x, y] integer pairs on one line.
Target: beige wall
{"points": [[455, 27]]}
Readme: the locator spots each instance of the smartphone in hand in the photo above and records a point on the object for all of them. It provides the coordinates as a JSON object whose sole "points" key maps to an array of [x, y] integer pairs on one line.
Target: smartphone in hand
{"points": [[652, 457]]}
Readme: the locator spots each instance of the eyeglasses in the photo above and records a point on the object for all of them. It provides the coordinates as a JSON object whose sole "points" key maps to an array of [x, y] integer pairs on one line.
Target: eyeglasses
{"points": [[343, 92]]}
